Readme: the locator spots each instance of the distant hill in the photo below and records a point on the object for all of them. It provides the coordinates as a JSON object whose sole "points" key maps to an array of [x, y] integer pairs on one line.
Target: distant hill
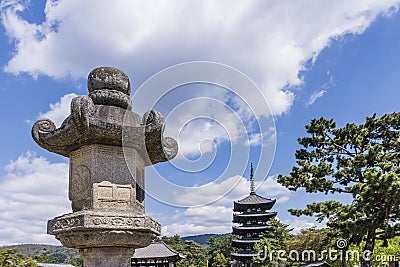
{"points": [[201, 239], [60, 253]]}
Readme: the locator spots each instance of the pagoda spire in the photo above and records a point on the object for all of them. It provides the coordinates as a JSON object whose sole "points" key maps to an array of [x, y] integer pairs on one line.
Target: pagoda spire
{"points": [[251, 179]]}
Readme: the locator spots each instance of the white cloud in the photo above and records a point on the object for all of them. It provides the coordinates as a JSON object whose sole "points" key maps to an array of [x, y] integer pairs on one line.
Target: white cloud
{"points": [[60, 110], [270, 41], [187, 229], [231, 189], [254, 140], [199, 220], [209, 215], [314, 96], [324, 88], [202, 123], [268, 137], [32, 191], [300, 224]]}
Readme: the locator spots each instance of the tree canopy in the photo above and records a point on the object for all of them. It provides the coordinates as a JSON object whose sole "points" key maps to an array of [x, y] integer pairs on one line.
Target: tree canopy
{"points": [[361, 161], [196, 255], [219, 248], [312, 239], [273, 239], [12, 258], [217, 254]]}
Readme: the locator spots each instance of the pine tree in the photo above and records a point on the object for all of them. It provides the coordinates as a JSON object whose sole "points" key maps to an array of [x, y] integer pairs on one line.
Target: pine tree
{"points": [[361, 161], [273, 240]]}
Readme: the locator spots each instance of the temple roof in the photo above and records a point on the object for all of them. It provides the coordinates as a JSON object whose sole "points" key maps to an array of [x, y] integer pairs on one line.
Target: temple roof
{"points": [[253, 198], [156, 250]]}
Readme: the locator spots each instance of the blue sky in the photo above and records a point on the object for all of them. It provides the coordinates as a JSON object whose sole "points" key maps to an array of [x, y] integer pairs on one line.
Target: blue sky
{"points": [[338, 60]]}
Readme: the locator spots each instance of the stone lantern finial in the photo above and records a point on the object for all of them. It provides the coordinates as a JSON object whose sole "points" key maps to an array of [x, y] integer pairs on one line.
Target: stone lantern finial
{"points": [[109, 86]]}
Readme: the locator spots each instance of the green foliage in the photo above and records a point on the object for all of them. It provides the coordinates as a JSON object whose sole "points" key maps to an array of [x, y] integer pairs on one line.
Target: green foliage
{"points": [[44, 259], [12, 258], [318, 240], [49, 253], [359, 160], [219, 245], [175, 242], [383, 252], [219, 260], [273, 240], [76, 261], [196, 255]]}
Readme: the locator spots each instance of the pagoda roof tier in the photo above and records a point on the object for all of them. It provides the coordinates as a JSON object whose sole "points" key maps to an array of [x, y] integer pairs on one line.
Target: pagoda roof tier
{"points": [[244, 256], [244, 243], [249, 229], [255, 215], [252, 227], [253, 200], [244, 217]]}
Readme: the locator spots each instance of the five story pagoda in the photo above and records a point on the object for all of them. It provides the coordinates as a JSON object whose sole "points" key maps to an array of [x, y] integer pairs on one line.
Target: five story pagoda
{"points": [[250, 217]]}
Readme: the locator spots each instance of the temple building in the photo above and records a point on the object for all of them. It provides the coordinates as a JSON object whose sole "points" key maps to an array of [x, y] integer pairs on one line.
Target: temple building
{"points": [[157, 254], [250, 217]]}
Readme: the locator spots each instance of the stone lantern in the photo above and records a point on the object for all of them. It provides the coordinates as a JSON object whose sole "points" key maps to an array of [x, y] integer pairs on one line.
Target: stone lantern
{"points": [[108, 146]]}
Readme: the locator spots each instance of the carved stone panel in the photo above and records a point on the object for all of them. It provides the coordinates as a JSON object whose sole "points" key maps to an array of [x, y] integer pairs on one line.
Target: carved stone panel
{"points": [[108, 196]]}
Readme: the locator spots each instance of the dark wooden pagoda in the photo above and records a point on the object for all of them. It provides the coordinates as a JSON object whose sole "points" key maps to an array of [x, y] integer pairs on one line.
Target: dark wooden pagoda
{"points": [[250, 217]]}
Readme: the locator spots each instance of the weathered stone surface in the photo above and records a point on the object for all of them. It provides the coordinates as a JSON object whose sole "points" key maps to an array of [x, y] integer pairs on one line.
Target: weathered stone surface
{"points": [[109, 86], [107, 257], [108, 78], [106, 178], [109, 147], [104, 117], [97, 220], [105, 238]]}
